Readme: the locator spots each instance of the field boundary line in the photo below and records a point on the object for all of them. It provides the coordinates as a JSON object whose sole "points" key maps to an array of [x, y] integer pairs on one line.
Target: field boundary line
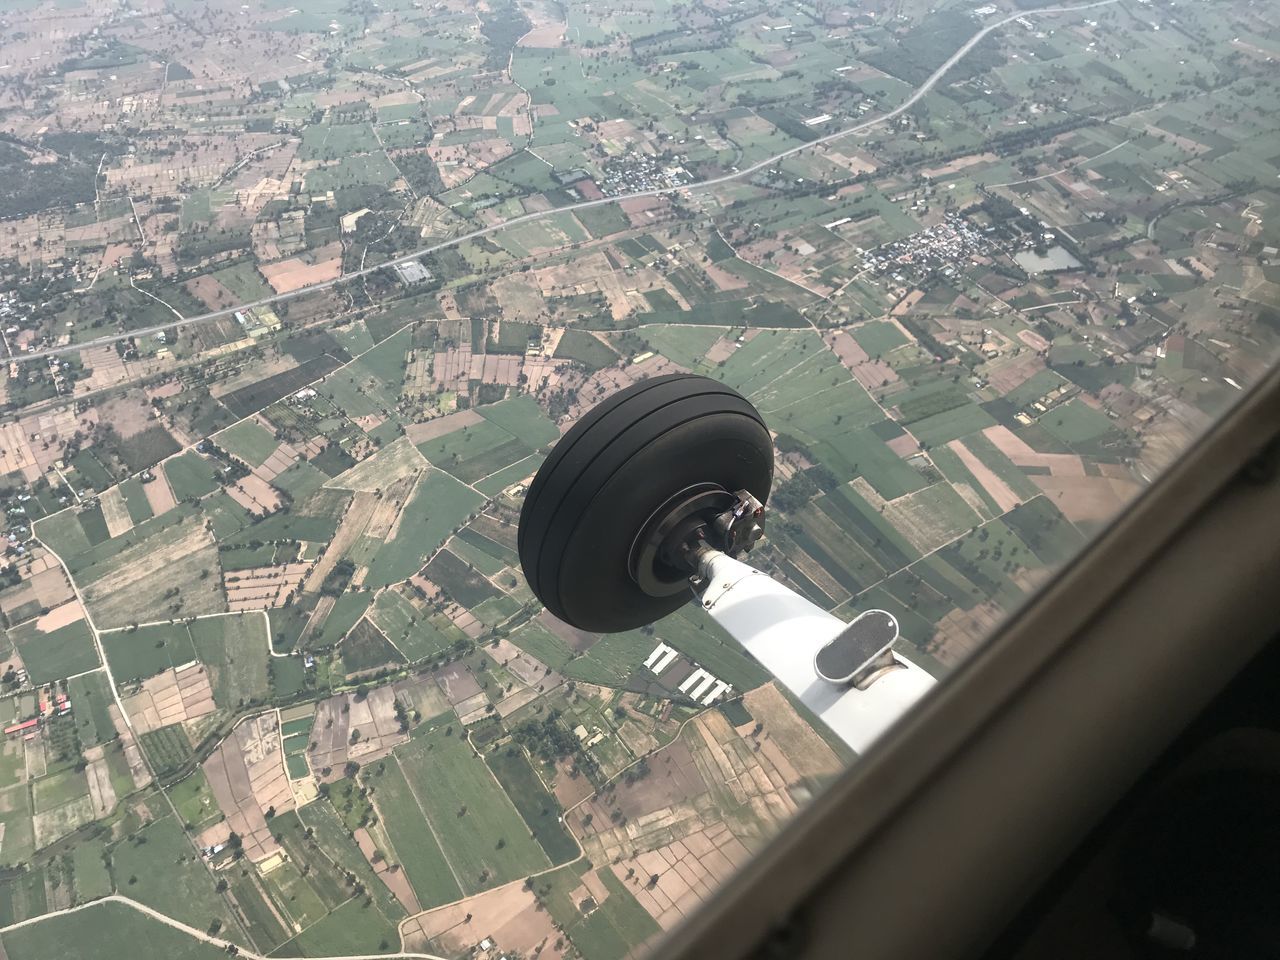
{"points": [[430, 826]]}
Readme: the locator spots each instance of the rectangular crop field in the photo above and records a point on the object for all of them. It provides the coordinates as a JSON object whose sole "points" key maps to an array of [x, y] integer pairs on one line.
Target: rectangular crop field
{"points": [[541, 810], [190, 475], [475, 452], [418, 634], [165, 873], [144, 652], [249, 441], [234, 647], [167, 748], [481, 833], [416, 849], [522, 418], [58, 654], [90, 698]]}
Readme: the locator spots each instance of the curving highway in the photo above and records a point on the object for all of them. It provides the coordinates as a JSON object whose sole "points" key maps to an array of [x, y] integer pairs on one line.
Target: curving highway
{"points": [[907, 104]]}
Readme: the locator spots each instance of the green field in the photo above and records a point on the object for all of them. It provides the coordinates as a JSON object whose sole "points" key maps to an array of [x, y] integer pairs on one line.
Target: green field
{"points": [[144, 652], [160, 867], [15, 815], [289, 888], [878, 337], [475, 452], [486, 845], [53, 791], [190, 475], [541, 810], [53, 656], [92, 879], [365, 648], [23, 895], [249, 441], [615, 656], [495, 483], [416, 849], [587, 350], [348, 610], [522, 418], [90, 698], [244, 281], [465, 585], [352, 929], [415, 634], [108, 931], [544, 645], [609, 932], [135, 499], [687, 346], [439, 505], [195, 801], [951, 425], [1076, 422], [234, 648], [166, 747], [339, 850]]}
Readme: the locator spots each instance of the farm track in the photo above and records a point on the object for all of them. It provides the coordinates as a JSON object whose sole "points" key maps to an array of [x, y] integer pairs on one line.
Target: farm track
{"points": [[195, 934], [907, 104]]}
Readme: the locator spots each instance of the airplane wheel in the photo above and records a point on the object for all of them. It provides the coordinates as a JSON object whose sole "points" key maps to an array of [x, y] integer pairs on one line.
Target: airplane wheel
{"points": [[607, 482]]}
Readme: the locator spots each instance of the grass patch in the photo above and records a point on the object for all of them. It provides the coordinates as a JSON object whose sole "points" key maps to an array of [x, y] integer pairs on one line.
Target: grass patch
{"points": [[159, 866], [144, 652], [57, 654], [540, 810], [234, 648], [480, 831], [416, 848], [190, 475], [585, 349], [90, 698]]}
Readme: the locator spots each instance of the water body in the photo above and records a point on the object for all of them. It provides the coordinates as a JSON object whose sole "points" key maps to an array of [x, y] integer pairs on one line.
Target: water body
{"points": [[1055, 258]]}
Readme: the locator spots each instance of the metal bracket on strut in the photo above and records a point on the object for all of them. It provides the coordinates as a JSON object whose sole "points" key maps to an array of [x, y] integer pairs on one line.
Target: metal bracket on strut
{"points": [[741, 526]]}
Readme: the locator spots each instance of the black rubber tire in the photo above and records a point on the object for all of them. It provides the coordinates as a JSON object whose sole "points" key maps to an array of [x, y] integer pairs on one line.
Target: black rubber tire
{"points": [[608, 474]]}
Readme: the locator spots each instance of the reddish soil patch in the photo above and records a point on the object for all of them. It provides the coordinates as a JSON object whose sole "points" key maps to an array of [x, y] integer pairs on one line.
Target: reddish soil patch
{"points": [[422, 432], [579, 640], [674, 778], [295, 273], [509, 916], [1095, 499]]}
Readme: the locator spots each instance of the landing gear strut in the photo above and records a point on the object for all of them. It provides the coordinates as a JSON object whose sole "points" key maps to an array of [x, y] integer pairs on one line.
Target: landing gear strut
{"points": [[650, 501]]}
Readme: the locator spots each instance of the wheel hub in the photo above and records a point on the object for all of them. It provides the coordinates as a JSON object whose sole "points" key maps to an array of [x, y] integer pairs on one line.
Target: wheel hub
{"points": [[665, 552]]}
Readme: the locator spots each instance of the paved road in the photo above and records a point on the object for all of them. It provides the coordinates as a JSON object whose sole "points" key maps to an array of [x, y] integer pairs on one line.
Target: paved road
{"points": [[219, 942], [907, 104]]}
